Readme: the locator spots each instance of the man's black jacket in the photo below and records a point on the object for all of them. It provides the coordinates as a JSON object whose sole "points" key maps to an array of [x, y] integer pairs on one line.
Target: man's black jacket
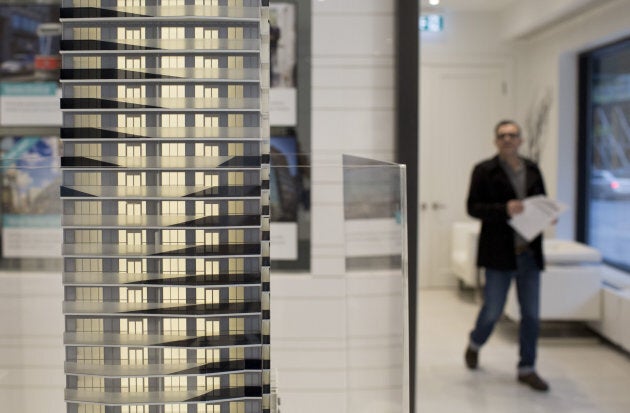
{"points": [[490, 190]]}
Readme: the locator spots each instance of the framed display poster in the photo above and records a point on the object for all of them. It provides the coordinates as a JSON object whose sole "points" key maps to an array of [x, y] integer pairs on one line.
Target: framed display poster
{"points": [[283, 64], [29, 65], [31, 208]]}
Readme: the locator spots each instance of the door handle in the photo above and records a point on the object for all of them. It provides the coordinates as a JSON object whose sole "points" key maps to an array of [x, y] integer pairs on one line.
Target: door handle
{"points": [[438, 205]]}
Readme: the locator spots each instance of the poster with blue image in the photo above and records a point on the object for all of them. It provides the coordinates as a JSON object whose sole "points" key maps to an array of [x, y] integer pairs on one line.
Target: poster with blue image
{"points": [[31, 208]]}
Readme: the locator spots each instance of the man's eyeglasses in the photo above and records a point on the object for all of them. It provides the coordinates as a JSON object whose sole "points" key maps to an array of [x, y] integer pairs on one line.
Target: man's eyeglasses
{"points": [[508, 135]]}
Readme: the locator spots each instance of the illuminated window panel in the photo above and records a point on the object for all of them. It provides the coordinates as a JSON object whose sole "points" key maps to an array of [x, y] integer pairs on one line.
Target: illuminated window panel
{"points": [[173, 237], [173, 120], [174, 266], [91, 91], [207, 92], [172, 33], [208, 383], [131, 62], [86, 33], [88, 149], [173, 149], [133, 295], [132, 121], [135, 385], [236, 207], [236, 265], [132, 179], [132, 208], [131, 33], [90, 355], [235, 92], [174, 355], [176, 408], [88, 178], [207, 295], [206, 33], [208, 328], [208, 355], [134, 326], [236, 294], [91, 383], [87, 121], [89, 325], [206, 62], [174, 295], [132, 236], [236, 120], [89, 265], [236, 178], [88, 236], [132, 150], [132, 92], [206, 237], [173, 178], [134, 356], [206, 208], [237, 326], [206, 267], [86, 62], [207, 179], [236, 236], [206, 121], [235, 62], [174, 326], [173, 207], [133, 265], [173, 91], [235, 33], [172, 62]]}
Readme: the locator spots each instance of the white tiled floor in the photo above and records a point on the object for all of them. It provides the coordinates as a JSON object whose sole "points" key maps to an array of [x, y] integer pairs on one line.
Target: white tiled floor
{"points": [[585, 375]]}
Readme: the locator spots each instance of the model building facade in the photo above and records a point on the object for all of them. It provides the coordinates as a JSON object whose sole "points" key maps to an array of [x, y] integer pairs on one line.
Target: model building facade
{"points": [[165, 198]]}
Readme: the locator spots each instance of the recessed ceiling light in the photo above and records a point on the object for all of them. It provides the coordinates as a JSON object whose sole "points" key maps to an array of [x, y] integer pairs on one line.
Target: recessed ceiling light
{"points": [[434, 2]]}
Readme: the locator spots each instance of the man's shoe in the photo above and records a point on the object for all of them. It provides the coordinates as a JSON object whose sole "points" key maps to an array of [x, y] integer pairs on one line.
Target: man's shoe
{"points": [[472, 358], [534, 381]]}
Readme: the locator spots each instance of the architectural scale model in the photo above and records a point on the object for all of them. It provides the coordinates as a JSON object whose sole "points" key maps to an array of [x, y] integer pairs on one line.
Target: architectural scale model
{"points": [[166, 203]]}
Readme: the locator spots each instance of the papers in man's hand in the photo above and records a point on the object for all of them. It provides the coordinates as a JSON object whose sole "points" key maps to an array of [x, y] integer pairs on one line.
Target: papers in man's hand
{"points": [[539, 212]]}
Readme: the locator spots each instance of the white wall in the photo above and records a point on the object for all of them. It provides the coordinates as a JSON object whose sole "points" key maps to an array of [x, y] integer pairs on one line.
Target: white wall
{"points": [[548, 60]]}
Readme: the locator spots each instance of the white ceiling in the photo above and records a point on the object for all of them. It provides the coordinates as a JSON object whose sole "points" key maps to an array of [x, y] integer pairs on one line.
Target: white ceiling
{"points": [[460, 5]]}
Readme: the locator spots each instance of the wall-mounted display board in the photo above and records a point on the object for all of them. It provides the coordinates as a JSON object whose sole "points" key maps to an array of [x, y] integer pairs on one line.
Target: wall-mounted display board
{"points": [[290, 118], [30, 117]]}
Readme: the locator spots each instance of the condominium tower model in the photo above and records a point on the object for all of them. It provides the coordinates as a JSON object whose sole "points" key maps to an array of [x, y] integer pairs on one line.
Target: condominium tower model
{"points": [[166, 205]]}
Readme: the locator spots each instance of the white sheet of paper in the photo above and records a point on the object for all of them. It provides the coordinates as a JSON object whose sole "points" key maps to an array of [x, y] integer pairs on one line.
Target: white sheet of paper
{"points": [[539, 213]]}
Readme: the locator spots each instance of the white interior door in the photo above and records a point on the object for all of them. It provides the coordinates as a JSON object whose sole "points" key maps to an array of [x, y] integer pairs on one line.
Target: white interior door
{"points": [[459, 106]]}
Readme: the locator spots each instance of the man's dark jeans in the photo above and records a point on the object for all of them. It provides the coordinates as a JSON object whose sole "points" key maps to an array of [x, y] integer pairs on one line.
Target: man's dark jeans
{"points": [[497, 284]]}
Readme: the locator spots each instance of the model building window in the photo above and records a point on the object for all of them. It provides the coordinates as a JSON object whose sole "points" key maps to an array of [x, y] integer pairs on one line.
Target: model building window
{"points": [[133, 294], [236, 236], [132, 92], [214, 3], [173, 120], [92, 150], [132, 265], [172, 33], [206, 267], [174, 326], [207, 180], [237, 407], [176, 408], [131, 33], [134, 409], [132, 150], [133, 356], [177, 383], [205, 33], [87, 3], [132, 236], [235, 149], [174, 266], [132, 179], [206, 121], [173, 295], [88, 178], [89, 325], [87, 236], [172, 3], [208, 92], [132, 3], [235, 3], [89, 294], [206, 237], [235, 33], [87, 207], [206, 150], [173, 207], [235, 62], [173, 62], [173, 178], [236, 178], [236, 265], [173, 91], [91, 383], [173, 237], [235, 91], [208, 355], [91, 91], [132, 208], [207, 296], [132, 121], [235, 120], [236, 294], [206, 62], [174, 355], [87, 121], [131, 62], [211, 408], [173, 149], [86, 62], [86, 33], [208, 328], [208, 384], [236, 207], [134, 326], [135, 385], [89, 265], [206, 208], [90, 355]]}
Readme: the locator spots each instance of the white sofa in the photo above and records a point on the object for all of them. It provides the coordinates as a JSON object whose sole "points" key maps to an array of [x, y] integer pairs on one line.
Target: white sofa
{"points": [[571, 282]]}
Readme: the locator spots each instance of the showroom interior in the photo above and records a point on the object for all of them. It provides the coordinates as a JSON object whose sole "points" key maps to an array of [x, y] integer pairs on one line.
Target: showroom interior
{"points": [[421, 85]]}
